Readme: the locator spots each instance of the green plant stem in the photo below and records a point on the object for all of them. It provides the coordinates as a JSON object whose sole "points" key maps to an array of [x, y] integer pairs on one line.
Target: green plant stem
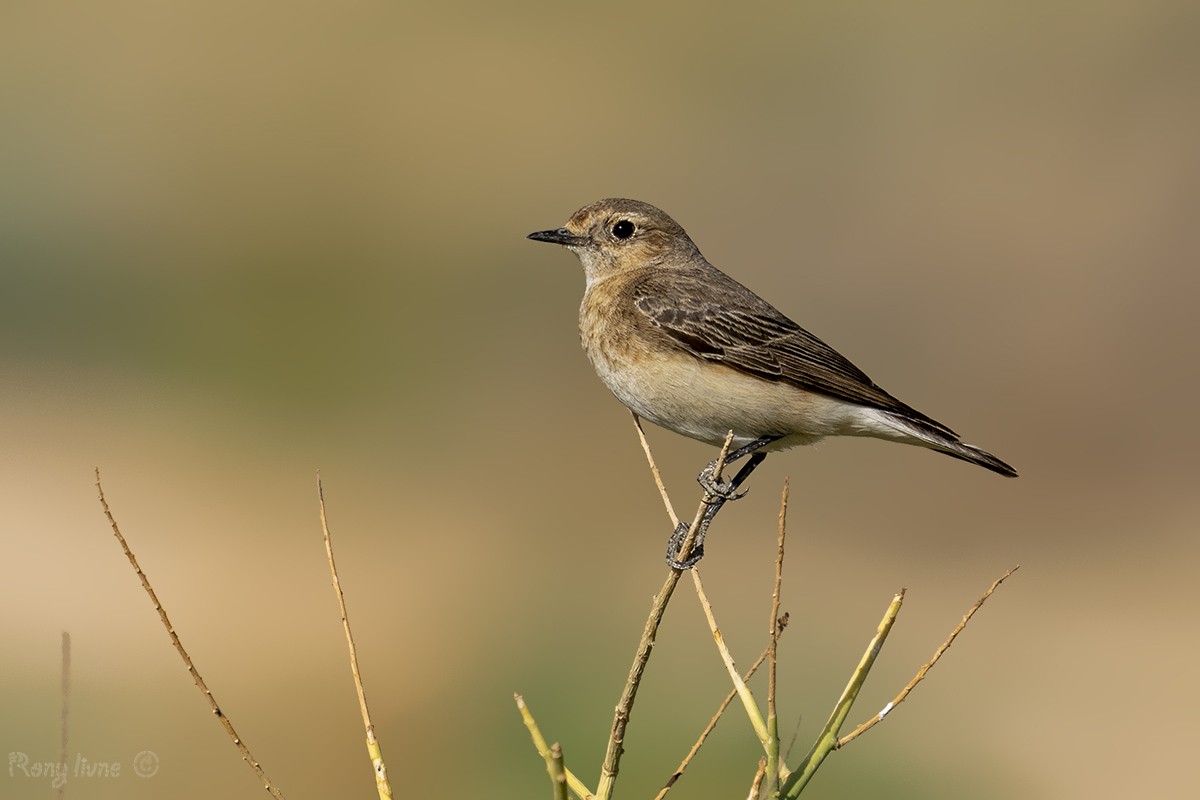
{"points": [[546, 752], [558, 772], [827, 741]]}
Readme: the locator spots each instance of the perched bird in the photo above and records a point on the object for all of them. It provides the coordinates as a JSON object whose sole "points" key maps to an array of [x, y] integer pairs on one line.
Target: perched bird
{"points": [[685, 346]]}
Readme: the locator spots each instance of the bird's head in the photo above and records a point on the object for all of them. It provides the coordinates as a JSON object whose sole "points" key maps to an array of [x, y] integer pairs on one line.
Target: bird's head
{"points": [[617, 235]]}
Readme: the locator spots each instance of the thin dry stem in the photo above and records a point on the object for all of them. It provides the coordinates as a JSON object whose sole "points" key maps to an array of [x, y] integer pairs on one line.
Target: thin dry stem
{"points": [[658, 481], [747, 697], [920, 676], [377, 763], [247, 756], [712, 723], [616, 738], [772, 715], [756, 785]]}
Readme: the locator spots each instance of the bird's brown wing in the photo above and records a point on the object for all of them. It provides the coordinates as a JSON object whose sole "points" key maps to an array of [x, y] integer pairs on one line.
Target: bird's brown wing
{"points": [[714, 317]]}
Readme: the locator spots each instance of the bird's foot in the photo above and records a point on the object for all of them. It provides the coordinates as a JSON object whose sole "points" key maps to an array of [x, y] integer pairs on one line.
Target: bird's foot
{"points": [[676, 541], [714, 487]]}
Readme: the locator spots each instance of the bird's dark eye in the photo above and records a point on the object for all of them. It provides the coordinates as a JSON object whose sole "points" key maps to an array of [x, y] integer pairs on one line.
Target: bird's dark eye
{"points": [[623, 229]]}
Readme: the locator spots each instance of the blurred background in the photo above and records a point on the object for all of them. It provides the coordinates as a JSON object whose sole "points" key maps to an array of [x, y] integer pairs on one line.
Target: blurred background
{"points": [[243, 242]]}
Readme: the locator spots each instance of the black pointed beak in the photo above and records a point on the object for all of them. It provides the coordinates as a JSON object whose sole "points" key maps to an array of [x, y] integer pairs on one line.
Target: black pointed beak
{"points": [[559, 236]]}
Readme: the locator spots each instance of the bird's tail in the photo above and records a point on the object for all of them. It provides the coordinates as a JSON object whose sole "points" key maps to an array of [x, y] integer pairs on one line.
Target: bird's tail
{"points": [[940, 438]]}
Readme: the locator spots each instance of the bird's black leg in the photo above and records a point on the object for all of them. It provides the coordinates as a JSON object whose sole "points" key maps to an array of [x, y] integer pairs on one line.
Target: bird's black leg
{"points": [[728, 491], [697, 552]]}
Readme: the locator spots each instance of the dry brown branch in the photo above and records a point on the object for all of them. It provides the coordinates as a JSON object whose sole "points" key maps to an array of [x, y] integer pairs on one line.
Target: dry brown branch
{"points": [[712, 723], [920, 676], [658, 481], [373, 750], [747, 697], [247, 756], [756, 784], [741, 688], [616, 738], [772, 716]]}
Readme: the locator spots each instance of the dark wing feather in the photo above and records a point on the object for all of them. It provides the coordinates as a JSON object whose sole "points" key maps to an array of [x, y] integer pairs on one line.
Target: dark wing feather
{"points": [[714, 317]]}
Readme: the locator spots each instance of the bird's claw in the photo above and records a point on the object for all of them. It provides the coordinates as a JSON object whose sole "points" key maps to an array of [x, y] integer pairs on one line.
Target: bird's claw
{"points": [[675, 542], [721, 491]]}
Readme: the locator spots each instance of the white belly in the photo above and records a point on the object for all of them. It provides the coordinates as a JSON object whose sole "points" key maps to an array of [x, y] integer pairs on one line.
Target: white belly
{"points": [[705, 400]]}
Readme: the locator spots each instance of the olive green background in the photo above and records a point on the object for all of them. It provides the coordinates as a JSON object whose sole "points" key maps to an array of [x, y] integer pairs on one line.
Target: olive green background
{"points": [[241, 242]]}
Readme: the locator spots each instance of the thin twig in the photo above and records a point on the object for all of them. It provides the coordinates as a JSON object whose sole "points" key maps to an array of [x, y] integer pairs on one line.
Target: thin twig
{"points": [[747, 697], [772, 716], [786, 752], [759, 774], [247, 756], [616, 737], [373, 750], [920, 676], [539, 743], [712, 723], [658, 481]]}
